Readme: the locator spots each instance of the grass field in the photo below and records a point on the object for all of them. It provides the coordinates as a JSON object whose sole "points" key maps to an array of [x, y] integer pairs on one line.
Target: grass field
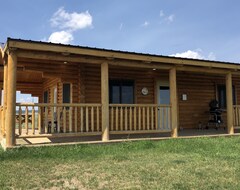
{"points": [[202, 163]]}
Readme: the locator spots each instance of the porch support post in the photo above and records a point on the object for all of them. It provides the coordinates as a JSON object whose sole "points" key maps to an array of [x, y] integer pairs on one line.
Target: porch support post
{"points": [[5, 79], [229, 97], [173, 100], [105, 101], [11, 99]]}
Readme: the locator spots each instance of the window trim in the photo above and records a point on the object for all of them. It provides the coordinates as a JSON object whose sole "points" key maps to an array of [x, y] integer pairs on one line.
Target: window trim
{"points": [[121, 82]]}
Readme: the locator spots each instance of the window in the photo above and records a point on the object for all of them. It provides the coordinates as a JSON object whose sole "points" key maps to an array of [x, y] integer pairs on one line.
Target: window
{"points": [[45, 97], [121, 91], [67, 93], [221, 90]]}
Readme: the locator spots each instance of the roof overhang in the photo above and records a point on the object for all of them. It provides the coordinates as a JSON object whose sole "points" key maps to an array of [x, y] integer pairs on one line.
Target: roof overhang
{"points": [[110, 55]]}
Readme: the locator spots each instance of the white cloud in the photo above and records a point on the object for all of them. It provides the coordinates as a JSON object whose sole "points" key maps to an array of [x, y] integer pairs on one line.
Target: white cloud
{"points": [[211, 56], [145, 24], [68, 23], [162, 13], [196, 54], [170, 18], [71, 21], [63, 37], [121, 26]]}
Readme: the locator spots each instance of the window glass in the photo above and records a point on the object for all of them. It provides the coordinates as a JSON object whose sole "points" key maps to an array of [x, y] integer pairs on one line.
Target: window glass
{"points": [[66, 93], [222, 96], [121, 91], [127, 95], [45, 97], [115, 94], [164, 95]]}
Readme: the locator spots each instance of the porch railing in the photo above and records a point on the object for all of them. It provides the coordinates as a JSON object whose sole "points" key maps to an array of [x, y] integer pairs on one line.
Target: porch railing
{"points": [[57, 118], [140, 117], [42, 118]]}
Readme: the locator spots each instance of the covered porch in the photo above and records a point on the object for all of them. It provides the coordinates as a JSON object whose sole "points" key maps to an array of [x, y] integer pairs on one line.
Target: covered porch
{"points": [[81, 94]]}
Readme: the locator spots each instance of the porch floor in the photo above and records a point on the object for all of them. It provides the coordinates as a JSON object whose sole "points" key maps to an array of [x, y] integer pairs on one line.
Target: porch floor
{"points": [[96, 139]]}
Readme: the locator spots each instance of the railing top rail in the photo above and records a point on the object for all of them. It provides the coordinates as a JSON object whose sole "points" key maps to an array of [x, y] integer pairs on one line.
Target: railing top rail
{"points": [[139, 105], [236, 106], [58, 105]]}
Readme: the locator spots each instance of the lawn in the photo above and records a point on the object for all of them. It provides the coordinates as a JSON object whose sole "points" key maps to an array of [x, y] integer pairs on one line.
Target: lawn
{"points": [[202, 163]]}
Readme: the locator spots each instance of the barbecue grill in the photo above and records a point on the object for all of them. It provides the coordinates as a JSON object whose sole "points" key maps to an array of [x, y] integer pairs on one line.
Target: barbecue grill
{"points": [[215, 115]]}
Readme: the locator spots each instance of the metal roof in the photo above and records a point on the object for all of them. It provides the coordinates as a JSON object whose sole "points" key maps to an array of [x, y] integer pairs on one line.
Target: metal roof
{"points": [[121, 51]]}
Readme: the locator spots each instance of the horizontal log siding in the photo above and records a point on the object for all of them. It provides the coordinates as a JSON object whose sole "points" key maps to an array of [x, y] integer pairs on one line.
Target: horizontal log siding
{"points": [[141, 78], [200, 90]]}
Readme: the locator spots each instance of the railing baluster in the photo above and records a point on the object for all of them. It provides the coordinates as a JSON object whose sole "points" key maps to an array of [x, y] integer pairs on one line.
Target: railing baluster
{"points": [[139, 118], [98, 129], [33, 120], [64, 120], [52, 120], [2, 121], [164, 118], [169, 118], [39, 120], [156, 118], [76, 119], [20, 120], [135, 118], [81, 119], [143, 116], [70, 119], [238, 116], [130, 118], [112, 120], [58, 120], [46, 120], [26, 119], [121, 118], [148, 118], [87, 126], [235, 116], [92, 118], [152, 121], [117, 118], [126, 119]]}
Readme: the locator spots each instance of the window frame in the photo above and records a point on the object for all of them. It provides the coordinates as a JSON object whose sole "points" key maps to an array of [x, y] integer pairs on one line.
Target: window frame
{"points": [[120, 83]]}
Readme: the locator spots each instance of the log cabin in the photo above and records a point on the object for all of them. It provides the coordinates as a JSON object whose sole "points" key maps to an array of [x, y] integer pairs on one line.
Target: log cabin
{"points": [[90, 91]]}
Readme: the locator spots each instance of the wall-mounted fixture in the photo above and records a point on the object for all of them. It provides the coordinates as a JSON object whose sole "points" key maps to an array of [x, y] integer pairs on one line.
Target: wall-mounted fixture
{"points": [[184, 97]]}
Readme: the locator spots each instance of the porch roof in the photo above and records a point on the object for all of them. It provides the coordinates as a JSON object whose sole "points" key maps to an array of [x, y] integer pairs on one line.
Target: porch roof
{"points": [[51, 51]]}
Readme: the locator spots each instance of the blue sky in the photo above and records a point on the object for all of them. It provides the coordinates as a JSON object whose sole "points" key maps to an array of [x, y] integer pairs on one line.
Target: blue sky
{"points": [[200, 29], [197, 29]]}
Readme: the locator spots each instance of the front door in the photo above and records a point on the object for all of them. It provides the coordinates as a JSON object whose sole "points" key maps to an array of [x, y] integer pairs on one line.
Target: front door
{"points": [[163, 102]]}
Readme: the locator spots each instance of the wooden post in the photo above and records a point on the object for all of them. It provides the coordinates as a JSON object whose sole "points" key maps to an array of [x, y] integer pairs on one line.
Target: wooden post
{"points": [[11, 99], [105, 102], [229, 98], [173, 100], [5, 79]]}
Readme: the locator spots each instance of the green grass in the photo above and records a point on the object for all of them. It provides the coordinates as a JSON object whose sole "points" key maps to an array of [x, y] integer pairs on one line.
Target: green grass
{"points": [[203, 163]]}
